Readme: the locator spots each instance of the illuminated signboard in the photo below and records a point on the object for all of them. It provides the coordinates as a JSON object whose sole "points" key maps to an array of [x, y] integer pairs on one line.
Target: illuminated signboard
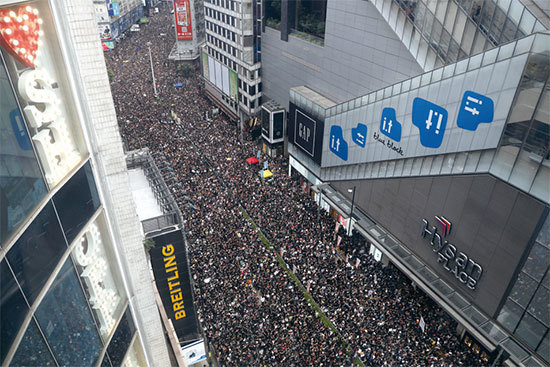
{"points": [[182, 12], [43, 89], [99, 277]]}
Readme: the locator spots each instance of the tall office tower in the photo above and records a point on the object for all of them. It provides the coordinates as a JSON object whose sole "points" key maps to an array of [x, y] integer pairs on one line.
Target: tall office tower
{"points": [[424, 126], [114, 17], [231, 58], [189, 27], [75, 285]]}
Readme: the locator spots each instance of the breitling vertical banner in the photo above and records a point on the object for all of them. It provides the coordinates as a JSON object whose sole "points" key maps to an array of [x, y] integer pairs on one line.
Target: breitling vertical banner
{"points": [[171, 269], [182, 12]]}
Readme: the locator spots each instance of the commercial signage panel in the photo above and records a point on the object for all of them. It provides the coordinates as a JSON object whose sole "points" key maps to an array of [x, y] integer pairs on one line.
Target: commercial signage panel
{"points": [[305, 132], [205, 69], [461, 113], [278, 124], [233, 85], [265, 124], [211, 70], [43, 90], [225, 80], [218, 70], [182, 12], [172, 277]]}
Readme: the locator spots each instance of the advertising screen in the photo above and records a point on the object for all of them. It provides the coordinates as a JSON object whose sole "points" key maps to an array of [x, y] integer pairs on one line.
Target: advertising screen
{"points": [[182, 12], [278, 123], [305, 132], [172, 277], [265, 123]]}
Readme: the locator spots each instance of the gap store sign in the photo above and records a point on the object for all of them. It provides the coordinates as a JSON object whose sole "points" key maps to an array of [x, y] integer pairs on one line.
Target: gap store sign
{"points": [[461, 113]]}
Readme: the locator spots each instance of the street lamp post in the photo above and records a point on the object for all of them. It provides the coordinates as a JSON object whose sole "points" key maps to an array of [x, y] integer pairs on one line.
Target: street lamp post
{"points": [[152, 70], [351, 212]]}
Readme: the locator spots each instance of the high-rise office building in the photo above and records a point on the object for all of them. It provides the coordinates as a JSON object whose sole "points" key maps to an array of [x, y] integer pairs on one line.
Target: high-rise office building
{"points": [[75, 284], [114, 17], [189, 27], [424, 126], [231, 57]]}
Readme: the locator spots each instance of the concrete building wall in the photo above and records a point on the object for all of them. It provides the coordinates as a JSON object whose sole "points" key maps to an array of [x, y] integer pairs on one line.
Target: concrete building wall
{"points": [[109, 163], [361, 53]]}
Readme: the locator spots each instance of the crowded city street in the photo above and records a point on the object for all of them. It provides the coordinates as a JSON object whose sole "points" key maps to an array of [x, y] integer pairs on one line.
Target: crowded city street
{"points": [[251, 310]]}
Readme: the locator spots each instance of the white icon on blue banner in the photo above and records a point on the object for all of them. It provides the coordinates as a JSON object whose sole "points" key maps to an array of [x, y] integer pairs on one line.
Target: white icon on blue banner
{"points": [[431, 121], [389, 125], [474, 110], [337, 144], [359, 135]]}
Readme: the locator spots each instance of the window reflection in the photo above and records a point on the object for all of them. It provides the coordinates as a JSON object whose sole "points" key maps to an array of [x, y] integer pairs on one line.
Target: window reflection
{"points": [[67, 323], [523, 289], [13, 309], [32, 351], [21, 183], [121, 339], [36, 253], [77, 201], [530, 331], [540, 305], [510, 315]]}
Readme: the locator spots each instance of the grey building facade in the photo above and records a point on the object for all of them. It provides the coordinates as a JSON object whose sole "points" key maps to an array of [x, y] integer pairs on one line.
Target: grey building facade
{"points": [[431, 119]]}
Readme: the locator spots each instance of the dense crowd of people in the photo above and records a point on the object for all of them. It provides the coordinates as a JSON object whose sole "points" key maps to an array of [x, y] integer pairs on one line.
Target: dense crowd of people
{"points": [[251, 310]]}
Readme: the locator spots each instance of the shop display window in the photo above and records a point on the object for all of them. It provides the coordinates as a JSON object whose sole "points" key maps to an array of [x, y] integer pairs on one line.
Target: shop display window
{"points": [[21, 183], [30, 47], [67, 323], [98, 271]]}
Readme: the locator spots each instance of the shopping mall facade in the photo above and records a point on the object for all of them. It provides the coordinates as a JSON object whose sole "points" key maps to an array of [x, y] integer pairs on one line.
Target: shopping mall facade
{"points": [[75, 284], [424, 126]]}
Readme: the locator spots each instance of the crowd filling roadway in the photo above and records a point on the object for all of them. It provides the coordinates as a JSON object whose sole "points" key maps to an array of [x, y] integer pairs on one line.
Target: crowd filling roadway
{"points": [[251, 311]]}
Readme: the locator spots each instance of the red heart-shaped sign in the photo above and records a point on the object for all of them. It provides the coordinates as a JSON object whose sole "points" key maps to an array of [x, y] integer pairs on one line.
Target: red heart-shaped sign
{"points": [[19, 33]]}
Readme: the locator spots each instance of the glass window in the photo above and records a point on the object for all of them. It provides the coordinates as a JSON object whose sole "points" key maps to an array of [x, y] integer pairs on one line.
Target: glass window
{"points": [[540, 305], [96, 264], [544, 233], [487, 15], [530, 331], [65, 319], [537, 262], [106, 361], [36, 253], [468, 37], [21, 183], [523, 290], [13, 309], [121, 339], [510, 315], [509, 31], [498, 24], [32, 351], [135, 356], [544, 348], [45, 95], [77, 201]]}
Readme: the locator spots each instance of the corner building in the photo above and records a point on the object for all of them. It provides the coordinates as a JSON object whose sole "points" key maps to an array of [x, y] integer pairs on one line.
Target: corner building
{"points": [[424, 126], [75, 287]]}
